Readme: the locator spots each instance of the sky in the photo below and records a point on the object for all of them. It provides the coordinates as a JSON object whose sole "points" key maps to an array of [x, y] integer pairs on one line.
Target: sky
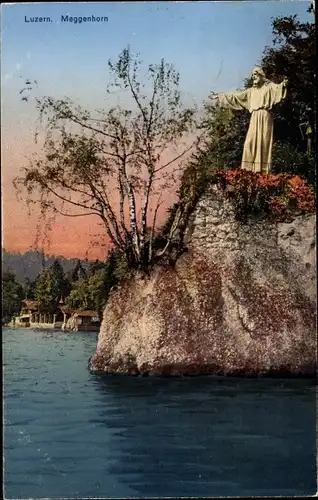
{"points": [[213, 45]]}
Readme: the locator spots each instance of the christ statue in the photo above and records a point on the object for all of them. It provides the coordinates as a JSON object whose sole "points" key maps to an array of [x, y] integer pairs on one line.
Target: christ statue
{"points": [[258, 100]]}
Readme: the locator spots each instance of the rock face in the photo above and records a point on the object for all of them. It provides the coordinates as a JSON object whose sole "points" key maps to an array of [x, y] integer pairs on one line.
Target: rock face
{"points": [[240, 301]]}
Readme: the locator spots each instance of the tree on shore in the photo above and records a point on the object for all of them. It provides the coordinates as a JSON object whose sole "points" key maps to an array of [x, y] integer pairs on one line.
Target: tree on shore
{"points": [[12, 295], [92, 290], [51, 286], [293, 56], [29, 288], [77, 272], [114, 163]]}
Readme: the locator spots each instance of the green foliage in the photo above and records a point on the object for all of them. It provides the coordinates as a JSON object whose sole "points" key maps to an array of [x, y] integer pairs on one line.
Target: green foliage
{"points": [[60, 283], [94, 267], [92, 290], [79, 296], [225, 135], [29, 288], [51, 286], [172, 211], [77, 272], [121, 269], [98, 289], [12, 295], [293, 56], [288, 158]]}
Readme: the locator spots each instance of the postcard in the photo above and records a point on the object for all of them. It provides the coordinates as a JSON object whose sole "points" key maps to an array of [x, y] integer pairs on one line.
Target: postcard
{"points": [[159, 249]]}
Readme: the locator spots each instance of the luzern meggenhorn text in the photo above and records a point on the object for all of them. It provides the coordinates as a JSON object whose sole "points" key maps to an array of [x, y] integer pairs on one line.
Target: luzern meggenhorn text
{"points": [[84, 19]]}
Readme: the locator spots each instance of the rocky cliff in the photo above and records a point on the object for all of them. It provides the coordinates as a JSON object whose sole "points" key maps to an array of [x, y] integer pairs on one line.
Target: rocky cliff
{"points": [[240, 301]]}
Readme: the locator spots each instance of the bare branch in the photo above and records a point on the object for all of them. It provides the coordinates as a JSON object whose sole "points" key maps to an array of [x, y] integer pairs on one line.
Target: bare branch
{"points": [[179, 156], [174, 227], [73, 215]]}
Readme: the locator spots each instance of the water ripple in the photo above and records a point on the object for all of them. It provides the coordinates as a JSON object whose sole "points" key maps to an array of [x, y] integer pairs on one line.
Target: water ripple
{"points": [[69, 433]]}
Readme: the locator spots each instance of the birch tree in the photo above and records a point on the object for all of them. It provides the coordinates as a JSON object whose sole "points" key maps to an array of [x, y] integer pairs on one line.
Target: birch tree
{"points": [[113, 163]]}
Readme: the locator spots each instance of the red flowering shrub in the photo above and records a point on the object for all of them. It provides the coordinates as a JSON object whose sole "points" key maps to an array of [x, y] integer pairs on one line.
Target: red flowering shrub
{"points": [[274, 195], [300, 192]]}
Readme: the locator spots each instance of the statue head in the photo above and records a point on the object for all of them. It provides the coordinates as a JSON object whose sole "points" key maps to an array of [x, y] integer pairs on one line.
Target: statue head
{"points": [[258, 77]]}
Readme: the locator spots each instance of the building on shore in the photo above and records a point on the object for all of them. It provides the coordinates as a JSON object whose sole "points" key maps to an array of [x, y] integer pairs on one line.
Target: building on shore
{"points": [[23, 320], [81, 321], [64, 318], [36, 318]]}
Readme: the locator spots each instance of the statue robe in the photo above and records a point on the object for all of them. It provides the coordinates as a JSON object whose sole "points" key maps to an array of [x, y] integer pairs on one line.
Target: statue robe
{"points": [[257, 152]]}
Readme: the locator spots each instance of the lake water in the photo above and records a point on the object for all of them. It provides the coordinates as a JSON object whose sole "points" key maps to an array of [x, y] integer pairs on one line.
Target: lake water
{"points": [[70, 433]]}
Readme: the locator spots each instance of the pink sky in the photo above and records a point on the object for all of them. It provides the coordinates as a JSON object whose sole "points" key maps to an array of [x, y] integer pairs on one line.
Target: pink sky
{"points": [[70, 237]]}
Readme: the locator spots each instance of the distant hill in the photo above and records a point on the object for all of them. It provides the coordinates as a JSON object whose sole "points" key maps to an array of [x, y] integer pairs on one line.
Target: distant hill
{"points": [[29, 264]]}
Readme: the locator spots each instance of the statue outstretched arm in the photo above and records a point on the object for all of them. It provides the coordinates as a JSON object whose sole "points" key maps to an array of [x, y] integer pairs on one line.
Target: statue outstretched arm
{"points": [[232, 100]]}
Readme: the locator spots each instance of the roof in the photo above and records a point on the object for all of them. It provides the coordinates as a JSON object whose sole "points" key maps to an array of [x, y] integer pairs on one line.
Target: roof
{"points": [[67, 310], [86, 313], [92, 314], [31, 304]]}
